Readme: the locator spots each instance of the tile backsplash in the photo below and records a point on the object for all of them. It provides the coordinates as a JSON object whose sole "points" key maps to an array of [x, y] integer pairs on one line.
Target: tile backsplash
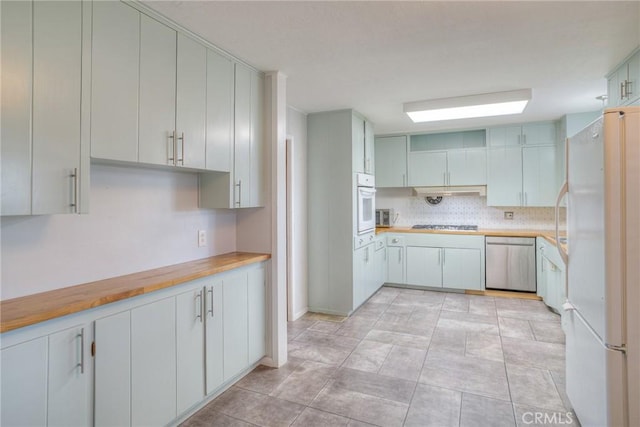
{"points": [[462, 210]]}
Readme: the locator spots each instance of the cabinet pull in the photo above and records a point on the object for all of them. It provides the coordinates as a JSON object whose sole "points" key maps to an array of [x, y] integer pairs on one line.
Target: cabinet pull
{"points": [[440, 257], [444, 258], [400, 255], [519, 139], [74, 204], [239, 185], [524, 138], [628, 88], [81, 363], [181, 138], [448, 178], [622, 90], [172, 159], [210, 292], [199, 306], [520, 199], [525, 198], [444, 178], [404, 180]]}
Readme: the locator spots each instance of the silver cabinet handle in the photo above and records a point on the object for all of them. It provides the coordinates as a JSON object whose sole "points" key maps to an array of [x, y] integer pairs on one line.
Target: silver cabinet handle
{"points": [[444, 178], [385, 254], [520, 199], [628, 88], [519, 139], [366, 255], [525, 198], [448, 178], [440, 257], [524, 138], [239, 185], [74, 203], [404, 180], [199, 306], [400, 255], [622, 90], [81, 363], [444, 257], [171, 158], [394, 241], [181, 160], [210, 292]]}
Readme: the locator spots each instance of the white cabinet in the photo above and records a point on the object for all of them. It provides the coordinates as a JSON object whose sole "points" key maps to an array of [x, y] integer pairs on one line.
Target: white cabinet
{"points": [[24, 384], [391, 161], [623, 82], [235, 325], [424, 266], [112, 365], [157, 93], [41, 146], [369, 148], [45, 381], [214, 336], [219, 146], [190, 351], [115, 70], [153, 363], [537, 133], [428, 168], [244, 186], [363, 145], [257, 314]]}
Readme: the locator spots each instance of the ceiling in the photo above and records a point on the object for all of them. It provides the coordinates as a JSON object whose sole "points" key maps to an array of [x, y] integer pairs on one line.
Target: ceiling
{"points": [[374, 56]]}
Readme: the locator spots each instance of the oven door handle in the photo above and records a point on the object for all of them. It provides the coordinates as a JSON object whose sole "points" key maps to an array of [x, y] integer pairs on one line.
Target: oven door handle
{"points": [[367, 190]]}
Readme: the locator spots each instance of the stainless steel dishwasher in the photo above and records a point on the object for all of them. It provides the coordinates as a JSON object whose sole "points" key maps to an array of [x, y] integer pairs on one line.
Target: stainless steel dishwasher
{"points": [[511, 263]]}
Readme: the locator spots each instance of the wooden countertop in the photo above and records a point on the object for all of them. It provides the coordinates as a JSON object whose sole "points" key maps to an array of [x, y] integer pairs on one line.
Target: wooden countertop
{"points": [[31, 309], [549, 235]]}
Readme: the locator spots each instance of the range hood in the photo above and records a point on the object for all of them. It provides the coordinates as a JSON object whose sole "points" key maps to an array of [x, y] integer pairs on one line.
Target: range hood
{"points": [[475, 190]]}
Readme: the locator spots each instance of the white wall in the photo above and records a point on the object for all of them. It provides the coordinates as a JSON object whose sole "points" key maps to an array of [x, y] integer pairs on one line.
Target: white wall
{"points": [[139, 219], [298, 295]]}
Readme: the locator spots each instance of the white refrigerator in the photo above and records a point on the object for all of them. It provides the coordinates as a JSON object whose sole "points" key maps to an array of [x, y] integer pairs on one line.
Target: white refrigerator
{"points": [[600, 317]]}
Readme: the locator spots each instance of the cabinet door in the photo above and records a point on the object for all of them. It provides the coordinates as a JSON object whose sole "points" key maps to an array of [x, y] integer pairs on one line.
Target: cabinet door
{"points": [[57, 48], [16, 52], [395, 264], [24, 384], [504, 176], [359, 275], [504, 136], [461, 269], [112, 364], [467, 167], [613, 91], [68, 388], [539, 134], [153, 363], [424, 266], [369, 153], [541, 282], [242, 136], [214, 337], [235, 316], [380, 263], [191, 102], [257, 312], [427, 168], [633, 78], [358, 141], [391, 161], [539, 176], [157, 111], [115, 60], [219, 145], [190, 348], [256, 177]]}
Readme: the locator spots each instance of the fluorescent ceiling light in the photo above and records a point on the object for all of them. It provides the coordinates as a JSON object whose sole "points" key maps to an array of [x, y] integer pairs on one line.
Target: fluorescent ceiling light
{"points": [[466, 107]]}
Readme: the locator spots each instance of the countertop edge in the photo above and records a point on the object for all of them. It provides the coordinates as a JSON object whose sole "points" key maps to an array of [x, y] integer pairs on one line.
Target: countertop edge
{"points": [[28, 310]]}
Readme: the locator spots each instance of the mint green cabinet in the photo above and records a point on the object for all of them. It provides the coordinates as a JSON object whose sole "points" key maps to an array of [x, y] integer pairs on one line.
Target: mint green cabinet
{"points": [[395, 264], [391, 161], [504, 136], [461, 268], [115, 72], [536, 133], [504, 176], [540, 183], [369, 148], [424, 266], [551, 279], [219, 145], [257, 313], [359, 275], [467, 166], [190, 352], [214, 335], [235, 325], [623, 82], [363, 145], [380, 265], [427, 168]]}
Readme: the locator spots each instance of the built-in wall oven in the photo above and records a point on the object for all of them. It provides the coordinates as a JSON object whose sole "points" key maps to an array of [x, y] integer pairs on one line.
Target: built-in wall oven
{"points": [[366, 194]]}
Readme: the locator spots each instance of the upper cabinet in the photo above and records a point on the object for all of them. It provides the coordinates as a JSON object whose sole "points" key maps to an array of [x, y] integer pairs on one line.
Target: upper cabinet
{"points": [[622, 83], [219, 134], [391, 161], [244, 186], [42, 152], [363, 145], [444, 159], [522, 167]]}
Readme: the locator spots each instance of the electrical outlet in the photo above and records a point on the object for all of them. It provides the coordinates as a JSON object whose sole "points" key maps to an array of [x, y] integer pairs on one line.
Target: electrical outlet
{"points": [[508, 215], [202, 238]]}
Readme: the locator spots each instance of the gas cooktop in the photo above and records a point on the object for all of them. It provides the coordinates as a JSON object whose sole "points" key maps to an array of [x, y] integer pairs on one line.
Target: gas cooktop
{"points": [[446, 227]]}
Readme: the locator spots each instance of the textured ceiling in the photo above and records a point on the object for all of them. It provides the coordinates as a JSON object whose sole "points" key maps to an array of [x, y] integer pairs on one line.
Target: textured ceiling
{"points": [[374, 56]]}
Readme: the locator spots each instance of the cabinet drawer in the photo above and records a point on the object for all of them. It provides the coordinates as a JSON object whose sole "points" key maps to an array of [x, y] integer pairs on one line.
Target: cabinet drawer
{"points": [[395, 240], [364, 240]]}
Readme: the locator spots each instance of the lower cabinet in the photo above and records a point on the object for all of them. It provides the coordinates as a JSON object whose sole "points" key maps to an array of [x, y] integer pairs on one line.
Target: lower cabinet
{"points": [[45, 381], [551, 277], [365, 274], [380, 265], [156, 361], [437, 260]]}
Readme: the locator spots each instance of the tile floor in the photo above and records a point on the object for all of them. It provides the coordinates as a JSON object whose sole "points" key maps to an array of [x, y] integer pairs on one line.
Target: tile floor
{"points": [[413, 358]]}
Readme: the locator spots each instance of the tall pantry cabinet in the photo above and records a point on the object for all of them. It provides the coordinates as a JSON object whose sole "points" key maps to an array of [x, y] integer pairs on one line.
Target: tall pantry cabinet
{"points": [[340, 145]]}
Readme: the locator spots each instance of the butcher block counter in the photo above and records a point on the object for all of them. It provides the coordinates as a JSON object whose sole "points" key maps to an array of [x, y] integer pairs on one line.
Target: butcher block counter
{"points": [[29, 310]]}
